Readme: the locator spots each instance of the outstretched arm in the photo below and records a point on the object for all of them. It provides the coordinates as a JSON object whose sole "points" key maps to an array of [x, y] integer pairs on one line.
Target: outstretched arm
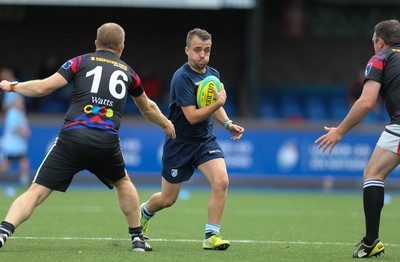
{"points": [[35, 88], [356, 114]]}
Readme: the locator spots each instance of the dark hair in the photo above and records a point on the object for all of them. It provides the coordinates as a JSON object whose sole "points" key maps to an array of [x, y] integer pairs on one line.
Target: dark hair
{"points": [[388, 31], [201, 33]]}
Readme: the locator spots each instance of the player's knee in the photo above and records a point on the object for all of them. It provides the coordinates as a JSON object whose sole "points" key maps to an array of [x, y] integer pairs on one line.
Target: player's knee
{"points": [[222, 184]]}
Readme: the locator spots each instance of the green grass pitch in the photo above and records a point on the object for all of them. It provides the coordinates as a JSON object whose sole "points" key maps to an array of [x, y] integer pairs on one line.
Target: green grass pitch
{"points": [[262, 224]]}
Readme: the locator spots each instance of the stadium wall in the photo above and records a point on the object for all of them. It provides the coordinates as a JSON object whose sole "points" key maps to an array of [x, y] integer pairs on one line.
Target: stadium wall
{"points": [[269, 154]]}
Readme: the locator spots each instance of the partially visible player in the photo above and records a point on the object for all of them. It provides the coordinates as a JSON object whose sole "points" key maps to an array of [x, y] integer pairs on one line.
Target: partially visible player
{"points": [[16, 137], [16, 132], [89, 136], [196, 145], [382, 77]]}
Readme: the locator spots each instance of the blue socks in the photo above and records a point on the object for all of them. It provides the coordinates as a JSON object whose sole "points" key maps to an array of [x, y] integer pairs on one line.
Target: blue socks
{"points": [[146, 213], [211, 229]]}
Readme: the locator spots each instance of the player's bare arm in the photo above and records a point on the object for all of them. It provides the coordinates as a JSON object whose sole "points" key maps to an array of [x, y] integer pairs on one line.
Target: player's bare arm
{"points": [[152, 112], [356, 114], [35, 88]]}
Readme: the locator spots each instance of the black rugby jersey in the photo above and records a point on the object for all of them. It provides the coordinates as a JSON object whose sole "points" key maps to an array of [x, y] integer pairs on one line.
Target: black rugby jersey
{"points": [[101, 83], [384, 67]]}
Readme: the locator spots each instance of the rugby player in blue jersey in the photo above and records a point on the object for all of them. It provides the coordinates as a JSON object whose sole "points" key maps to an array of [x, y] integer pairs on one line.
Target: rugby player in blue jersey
{"points": [[195, 146]]}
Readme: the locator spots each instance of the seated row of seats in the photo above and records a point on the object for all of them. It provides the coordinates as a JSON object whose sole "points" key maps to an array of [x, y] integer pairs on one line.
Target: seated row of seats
{"points": [[314, 104]]}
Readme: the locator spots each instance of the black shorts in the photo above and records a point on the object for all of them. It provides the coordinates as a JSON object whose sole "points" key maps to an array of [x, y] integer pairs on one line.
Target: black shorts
{"points": [[14, 158], [181, 157], [66, 158]]}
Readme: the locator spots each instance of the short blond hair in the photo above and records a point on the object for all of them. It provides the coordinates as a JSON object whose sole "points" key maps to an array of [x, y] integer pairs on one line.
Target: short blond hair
{"points": [[110, 36]]}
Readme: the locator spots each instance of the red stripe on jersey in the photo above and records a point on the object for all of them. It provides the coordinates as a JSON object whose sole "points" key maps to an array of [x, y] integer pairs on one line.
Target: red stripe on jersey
{"points": [[398, 149], [76, 63], [377, 61], [74, 123], [96, 119], [74, 66], [136, 80]]}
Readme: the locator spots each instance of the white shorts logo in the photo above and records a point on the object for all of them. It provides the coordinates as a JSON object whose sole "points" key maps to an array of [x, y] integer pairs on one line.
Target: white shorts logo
{"points": [[174, 172]]}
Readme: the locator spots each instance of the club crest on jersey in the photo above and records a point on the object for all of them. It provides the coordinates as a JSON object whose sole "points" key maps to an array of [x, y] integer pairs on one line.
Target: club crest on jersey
{"points": [[67, 65], [174, 172], [367, 69]]}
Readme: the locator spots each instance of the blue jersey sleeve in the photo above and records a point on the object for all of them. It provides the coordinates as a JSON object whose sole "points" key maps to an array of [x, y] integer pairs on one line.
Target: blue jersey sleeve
{"points": [[185, 91]]}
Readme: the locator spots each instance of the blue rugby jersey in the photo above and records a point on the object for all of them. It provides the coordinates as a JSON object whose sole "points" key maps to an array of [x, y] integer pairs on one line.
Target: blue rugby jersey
{"points": [[183, 92]]}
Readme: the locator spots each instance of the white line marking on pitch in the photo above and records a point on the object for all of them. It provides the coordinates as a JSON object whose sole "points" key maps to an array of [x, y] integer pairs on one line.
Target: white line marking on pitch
{"points": [[196, 240]]}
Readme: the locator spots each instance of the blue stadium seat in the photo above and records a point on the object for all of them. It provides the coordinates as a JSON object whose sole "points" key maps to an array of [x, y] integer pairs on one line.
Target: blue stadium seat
{"points": [[338, 107], [372, 117], [315, 107], [268, 108], [290, 106], [52, 107], [130, 107]]}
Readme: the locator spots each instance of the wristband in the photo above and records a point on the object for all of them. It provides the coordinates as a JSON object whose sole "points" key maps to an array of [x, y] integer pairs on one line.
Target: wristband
{"points": [[227, 123], [12, 85]]}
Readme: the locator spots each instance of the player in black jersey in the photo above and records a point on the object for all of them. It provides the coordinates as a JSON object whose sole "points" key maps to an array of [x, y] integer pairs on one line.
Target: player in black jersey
{"points": [[89, 136], [381, 77]]}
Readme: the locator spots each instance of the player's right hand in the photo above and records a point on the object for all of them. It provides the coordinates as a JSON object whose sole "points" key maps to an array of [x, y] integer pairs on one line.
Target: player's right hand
{"points": [[329, 140]]}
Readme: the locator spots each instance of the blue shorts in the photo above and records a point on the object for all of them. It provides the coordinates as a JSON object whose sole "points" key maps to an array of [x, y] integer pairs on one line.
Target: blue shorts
{"points": [[181, 157]]}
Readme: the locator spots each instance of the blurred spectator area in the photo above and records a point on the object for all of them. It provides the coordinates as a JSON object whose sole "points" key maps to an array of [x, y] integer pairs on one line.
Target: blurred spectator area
{"points": [[310, 103], [317, 45]]}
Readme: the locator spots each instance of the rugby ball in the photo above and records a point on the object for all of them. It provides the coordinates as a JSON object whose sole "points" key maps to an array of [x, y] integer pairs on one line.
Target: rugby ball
{"points": [[205, 95]]}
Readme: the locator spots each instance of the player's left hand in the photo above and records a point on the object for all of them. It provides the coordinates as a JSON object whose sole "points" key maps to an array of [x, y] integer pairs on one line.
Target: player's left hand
{"points": [[236, 130], [329, 140], [220, 96]]}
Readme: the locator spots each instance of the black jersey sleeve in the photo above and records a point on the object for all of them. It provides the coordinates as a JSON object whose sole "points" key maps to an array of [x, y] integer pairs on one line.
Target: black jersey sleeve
{"points": [[137, 88], [69, 68]]}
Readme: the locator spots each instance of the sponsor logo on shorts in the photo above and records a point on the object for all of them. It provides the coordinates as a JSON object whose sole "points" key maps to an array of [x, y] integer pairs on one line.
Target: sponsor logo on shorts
{"points": [[174, 172]]}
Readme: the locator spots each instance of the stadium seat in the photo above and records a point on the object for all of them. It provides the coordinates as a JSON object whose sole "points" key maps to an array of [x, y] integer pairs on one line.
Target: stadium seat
{"points": [[291, 106], [315, 107], [268, 108], [338, 107], [130, 107]]}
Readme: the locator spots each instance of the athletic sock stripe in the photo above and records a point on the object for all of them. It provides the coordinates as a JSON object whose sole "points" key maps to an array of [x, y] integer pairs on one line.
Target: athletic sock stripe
{"points": [[373, 182], [146, 213], [212, 228], [5, 231], [3, 238]]}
